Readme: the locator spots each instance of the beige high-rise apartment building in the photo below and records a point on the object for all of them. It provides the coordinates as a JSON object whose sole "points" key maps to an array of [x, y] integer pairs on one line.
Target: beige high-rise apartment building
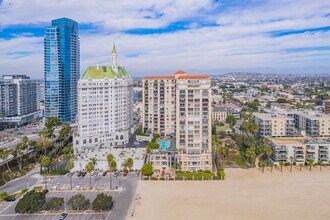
{"points": [[180, 106]]}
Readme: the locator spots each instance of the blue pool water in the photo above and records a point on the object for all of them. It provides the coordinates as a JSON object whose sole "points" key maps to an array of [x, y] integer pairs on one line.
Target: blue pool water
{"points": [[164, 144]]}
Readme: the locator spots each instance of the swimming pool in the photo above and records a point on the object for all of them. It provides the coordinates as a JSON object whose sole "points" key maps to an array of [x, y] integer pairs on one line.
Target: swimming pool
{"points": [[164, 144]]}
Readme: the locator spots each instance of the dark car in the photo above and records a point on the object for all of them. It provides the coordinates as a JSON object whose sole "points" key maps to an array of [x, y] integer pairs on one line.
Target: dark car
{"points": [[63, 216], [104, 173], [79, 174], [83, 174], [45, 191], [10, 199]]}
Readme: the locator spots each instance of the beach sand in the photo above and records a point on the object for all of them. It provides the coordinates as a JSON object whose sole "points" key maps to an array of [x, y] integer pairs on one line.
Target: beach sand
{"points": [[244, 195]]}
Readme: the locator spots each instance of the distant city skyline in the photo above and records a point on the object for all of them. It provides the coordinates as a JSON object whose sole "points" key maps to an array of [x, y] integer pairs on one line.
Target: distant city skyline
{"points": [[198, 36]]}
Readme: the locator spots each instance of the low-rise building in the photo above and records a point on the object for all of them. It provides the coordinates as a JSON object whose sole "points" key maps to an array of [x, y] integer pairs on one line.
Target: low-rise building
{"points": [[285, 150], [221, 113], [300, 151], [274, 125]]}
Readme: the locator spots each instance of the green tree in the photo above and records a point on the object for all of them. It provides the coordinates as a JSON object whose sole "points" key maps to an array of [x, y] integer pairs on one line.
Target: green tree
{"points": [[102, 202], [291, 162], [320, 164], [78, 202], [89, 169], [4, 154], [250, 153], [281, 165], [18, 155], [271, 167], [310, 163], [31, 202], [147, 169], [70, 166], [52, 122], [129, 163], [65, 132], [263, 164], [45, 162], [231, 120], [112, 166], [281, 100], [54, 203]]}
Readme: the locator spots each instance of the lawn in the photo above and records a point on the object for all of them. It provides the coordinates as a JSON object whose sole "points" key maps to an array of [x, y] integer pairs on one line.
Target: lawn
{"points": [[195, 176]]}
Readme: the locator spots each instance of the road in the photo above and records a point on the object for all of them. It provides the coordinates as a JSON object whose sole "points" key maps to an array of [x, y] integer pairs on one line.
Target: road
{"points": [[122, 197], [27, 181]]}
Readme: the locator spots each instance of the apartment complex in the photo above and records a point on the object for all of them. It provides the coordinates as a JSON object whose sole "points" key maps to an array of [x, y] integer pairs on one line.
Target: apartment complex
{"points": [[179, 106], [300, 151], [313, 123], [19, 100], [274, 125], [105, 107], [62, 69]]}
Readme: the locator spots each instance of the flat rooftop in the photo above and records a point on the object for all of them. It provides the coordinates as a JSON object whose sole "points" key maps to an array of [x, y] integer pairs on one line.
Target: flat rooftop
{"points": [[268, 116]]}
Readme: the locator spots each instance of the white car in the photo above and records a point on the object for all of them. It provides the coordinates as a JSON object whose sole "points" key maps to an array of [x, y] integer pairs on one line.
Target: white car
{"points": [[56, 185], [78, 185]]}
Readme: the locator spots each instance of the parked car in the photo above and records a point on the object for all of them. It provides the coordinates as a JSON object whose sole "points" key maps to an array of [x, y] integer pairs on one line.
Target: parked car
{"points": [[137, 174], [125, 173], [78, 185], [63, 216], [83, 174], [116, 174], [56, 185], [10, 199], [79, 174], [104, 173], [70, 174]]}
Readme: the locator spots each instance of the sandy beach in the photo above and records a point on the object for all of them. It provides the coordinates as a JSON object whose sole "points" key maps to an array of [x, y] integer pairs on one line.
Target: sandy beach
{"points": [[245, 194]]}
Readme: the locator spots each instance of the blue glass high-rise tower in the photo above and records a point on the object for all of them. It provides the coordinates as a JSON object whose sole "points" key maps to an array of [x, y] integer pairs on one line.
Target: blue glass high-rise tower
{"points": [[62, 63]]}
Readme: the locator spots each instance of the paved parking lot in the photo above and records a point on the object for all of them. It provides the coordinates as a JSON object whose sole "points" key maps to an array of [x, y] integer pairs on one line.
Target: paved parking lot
{"points": [[122, 197]]}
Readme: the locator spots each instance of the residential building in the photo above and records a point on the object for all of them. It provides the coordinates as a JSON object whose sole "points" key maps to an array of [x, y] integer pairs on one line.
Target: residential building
{"points": [[274, 125], [327, 107], [301, 151], [318, 150], [162, 160], [285, 150], [105, 107], [221, 113], [312, 123], [137, 94], [179, 106], [61, 54], [20, 97]]}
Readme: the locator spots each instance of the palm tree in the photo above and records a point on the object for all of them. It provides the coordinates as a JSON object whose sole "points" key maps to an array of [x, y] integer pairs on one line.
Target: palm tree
{"points": [[321, 164], [112, 164], [271, 167], [129, 163], [90, 168], [263, 164], [93, 160], [310, 163], [17, 153], [70, 166], [45, 162], [291, 162], [281, 165], [5, 152], [300, 166]]}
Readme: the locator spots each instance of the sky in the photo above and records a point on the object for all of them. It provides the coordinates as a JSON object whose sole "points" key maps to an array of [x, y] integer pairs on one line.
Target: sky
{"points": [[161, 37]]}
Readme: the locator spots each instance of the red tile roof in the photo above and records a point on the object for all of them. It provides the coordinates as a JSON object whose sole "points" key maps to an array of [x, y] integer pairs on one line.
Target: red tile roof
{"points": [[180, 72]]}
